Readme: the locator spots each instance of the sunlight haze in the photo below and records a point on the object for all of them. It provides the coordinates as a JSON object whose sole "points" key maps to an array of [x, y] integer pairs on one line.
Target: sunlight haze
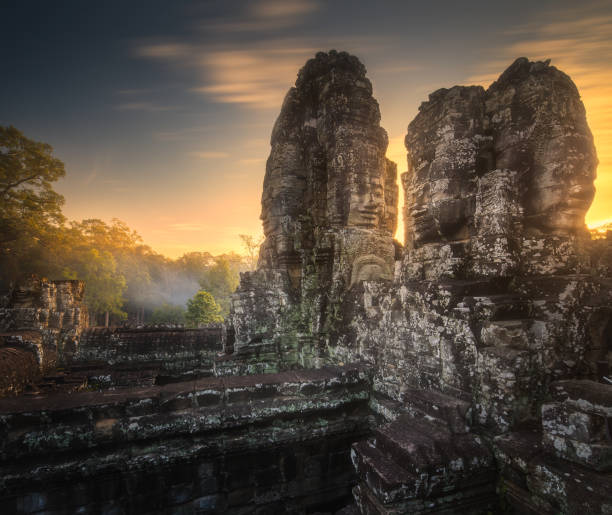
{"points": [[163, 114]]}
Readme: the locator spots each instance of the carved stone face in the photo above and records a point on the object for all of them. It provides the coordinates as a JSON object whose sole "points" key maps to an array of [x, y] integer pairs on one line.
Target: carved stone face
{"points": [[561, 186], [443, 144], [367, 202], [443, 210], [541, 132], [27, 294]]}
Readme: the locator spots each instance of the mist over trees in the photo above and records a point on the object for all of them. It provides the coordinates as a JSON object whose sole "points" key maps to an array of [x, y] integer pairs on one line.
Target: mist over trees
{"points": [[125, 279]]}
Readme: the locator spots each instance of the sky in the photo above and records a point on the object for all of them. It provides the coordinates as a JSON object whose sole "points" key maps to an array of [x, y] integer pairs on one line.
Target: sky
{"points": [[162, 111]]}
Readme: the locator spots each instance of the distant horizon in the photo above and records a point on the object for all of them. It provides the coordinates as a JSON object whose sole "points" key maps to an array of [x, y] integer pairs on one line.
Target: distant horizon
{"points": [[163, 115]]}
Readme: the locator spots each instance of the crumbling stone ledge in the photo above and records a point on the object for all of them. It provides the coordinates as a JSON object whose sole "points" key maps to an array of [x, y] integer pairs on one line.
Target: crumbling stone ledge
{"points": [[178, 352], [213, 445]]}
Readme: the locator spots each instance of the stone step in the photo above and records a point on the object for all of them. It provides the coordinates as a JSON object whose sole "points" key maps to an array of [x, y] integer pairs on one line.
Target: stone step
{"points": [[412, 444], [455, 413], [476, 500], [576, 424], [504, 306], [385, 407], [428, 449], [384, 477], [368, 504]]}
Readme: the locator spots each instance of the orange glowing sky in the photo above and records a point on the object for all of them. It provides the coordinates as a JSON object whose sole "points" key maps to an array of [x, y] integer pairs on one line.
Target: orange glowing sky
{"points": [[163, 116]]}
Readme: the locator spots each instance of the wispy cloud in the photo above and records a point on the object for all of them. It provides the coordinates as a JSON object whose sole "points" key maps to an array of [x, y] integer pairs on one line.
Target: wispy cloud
{"points": [[254, 72], [257, 71], [208, 155], [581, 47], [252, 160], [164, 50], [256, 78], [266, 15]]}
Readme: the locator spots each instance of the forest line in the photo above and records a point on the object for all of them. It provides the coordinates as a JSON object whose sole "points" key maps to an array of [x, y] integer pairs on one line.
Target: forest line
{"points": [[126, 280]]}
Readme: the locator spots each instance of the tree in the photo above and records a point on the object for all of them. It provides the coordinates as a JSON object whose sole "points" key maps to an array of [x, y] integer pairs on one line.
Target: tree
{"points": [[30, 210], [221, 281], [104, 285], [194, 264], [202, 309]]}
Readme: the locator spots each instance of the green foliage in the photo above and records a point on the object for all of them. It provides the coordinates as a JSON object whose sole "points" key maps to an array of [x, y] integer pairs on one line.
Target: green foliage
{"points": [[202, 309], [125, 247], [30, 210], [122, 274], [193, 264], [168, 314], [221, 280], [104, 284]]}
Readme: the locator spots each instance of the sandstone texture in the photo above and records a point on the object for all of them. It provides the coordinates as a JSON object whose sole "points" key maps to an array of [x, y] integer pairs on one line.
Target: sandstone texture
{"points": [[468, 372], [499, 181], [257, 444], [329, 212], [499, 292], [170, 353], [39, 329]]}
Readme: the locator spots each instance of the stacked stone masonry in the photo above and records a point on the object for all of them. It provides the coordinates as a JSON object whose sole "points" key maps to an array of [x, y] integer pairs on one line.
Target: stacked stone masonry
{"points": [[498, 293], [465, 372], [254, 444]]}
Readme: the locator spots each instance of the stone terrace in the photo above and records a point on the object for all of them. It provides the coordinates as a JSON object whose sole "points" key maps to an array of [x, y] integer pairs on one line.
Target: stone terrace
{"points": [[269, 442]]}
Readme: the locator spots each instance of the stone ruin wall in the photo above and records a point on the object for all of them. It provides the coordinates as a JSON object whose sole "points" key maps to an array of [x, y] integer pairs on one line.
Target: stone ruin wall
{"points": [[500, 292], [39, 327], [497, 294], [45, 342], [478, 345], [277, 443], [118, 356]]}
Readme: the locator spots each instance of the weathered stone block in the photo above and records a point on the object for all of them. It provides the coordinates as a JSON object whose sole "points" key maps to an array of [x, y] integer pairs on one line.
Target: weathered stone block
{"points": [[457, 414], [577, 427]]}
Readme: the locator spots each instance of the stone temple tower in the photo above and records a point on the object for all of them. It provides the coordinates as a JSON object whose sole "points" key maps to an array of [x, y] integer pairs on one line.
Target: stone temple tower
{"points": [[329, 210]]}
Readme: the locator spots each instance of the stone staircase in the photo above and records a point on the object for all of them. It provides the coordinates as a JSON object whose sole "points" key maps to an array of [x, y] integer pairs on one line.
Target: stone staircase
{"points": [[424, 461]]}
